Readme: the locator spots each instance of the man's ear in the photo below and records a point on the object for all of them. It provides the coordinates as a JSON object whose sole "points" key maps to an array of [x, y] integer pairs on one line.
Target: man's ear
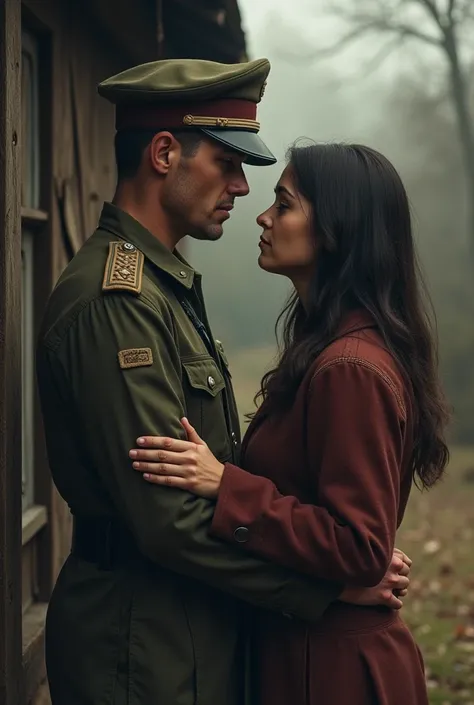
{"points": [[164, 151]]}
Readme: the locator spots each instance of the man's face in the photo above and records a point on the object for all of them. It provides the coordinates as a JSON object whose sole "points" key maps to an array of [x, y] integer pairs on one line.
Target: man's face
{"points": [[199, 192]]}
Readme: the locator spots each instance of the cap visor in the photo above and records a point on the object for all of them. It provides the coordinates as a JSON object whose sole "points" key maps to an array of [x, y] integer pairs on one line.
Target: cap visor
{"points": [[248, 143]]}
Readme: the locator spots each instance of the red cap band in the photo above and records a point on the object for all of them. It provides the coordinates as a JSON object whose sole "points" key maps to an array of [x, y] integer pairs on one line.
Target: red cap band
{"points": [[221, 113]]}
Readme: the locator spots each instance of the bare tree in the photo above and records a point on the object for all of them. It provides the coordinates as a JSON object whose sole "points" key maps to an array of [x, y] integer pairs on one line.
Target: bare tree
{"points": [[437, 23]]}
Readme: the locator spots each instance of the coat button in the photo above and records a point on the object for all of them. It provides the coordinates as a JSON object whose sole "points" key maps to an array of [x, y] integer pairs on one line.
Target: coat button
{"points": [[183, 274], [211, 382], [128, 247], [241, 534]]}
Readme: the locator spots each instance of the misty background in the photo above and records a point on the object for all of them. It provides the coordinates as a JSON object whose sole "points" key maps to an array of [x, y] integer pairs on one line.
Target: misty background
{"points": [[394, 99]]}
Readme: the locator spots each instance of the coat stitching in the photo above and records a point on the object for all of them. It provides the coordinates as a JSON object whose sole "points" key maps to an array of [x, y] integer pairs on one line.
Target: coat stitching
{"points": [[370, 366]]}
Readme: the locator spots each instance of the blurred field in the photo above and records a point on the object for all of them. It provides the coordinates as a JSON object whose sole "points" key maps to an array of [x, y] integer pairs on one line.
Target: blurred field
{"points": [[438, 534]]}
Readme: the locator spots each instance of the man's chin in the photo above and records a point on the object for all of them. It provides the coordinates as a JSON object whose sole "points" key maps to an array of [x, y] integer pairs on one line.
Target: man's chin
{"points": [[210, 233]]}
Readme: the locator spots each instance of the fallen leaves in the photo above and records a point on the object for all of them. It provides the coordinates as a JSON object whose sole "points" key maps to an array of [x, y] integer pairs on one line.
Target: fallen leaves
{"points": [[431, 547], [464, 631], [439, 608]]}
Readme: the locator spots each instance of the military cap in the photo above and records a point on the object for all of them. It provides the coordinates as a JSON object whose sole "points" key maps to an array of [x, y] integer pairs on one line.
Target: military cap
{"points": [[218, 99]]}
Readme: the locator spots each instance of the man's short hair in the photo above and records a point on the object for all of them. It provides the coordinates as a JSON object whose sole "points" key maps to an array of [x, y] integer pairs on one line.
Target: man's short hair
{"points": [[130, 145]]}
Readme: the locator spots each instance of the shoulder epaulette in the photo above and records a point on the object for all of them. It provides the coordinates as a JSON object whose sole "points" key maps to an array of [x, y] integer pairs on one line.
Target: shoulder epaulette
{"points": [[124, 268]]}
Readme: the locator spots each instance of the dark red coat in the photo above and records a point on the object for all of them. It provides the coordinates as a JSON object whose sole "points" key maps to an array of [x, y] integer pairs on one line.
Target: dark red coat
{"points": [[324, 491]]}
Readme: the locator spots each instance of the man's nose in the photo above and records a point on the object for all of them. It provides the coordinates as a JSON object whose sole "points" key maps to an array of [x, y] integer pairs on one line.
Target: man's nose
{"points": [[239, 186]]}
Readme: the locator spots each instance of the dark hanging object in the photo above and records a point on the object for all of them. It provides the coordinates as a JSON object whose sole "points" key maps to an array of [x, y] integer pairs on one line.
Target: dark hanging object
{"points": [[208, 29]]}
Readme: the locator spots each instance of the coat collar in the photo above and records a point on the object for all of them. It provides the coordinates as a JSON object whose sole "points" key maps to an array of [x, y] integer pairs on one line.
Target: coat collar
{"points": [[354, 321], [124, 226]]}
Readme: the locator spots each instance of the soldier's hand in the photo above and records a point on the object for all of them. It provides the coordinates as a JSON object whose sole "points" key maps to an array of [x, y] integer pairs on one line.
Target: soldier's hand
{"points": [[389, 591]]}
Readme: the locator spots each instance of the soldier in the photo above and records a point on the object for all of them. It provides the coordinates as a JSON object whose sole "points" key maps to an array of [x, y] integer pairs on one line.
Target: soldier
{"points": [[149, 609]]}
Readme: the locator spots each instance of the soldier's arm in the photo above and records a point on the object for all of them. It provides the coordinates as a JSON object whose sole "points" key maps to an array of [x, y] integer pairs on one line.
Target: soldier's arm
{"points": [[116, 406]]}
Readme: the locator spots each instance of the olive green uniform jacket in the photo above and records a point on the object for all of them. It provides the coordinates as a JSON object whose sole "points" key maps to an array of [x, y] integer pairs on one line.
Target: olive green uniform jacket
{"points": [[119, 357]]}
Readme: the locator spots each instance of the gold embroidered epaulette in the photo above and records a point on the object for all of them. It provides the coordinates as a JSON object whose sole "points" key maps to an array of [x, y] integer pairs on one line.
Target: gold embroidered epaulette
{"points": [[124, 268]]}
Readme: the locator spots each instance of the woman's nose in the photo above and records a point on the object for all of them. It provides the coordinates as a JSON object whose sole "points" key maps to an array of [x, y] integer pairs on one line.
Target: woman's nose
{"points": [[264, 220]]}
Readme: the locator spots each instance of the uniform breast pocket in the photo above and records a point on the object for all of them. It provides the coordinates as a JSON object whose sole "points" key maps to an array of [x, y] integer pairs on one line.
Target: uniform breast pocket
{"points": [[205, 404]]}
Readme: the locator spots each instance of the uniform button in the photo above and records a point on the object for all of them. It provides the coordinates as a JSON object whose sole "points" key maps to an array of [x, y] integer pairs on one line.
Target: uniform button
{"points": [[183, 274], [128, 247], [241, 534], [234, 438], [211, 382]]}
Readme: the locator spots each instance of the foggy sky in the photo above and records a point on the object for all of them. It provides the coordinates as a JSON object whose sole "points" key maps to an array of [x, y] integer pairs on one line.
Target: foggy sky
{"points": [[325, 100]]}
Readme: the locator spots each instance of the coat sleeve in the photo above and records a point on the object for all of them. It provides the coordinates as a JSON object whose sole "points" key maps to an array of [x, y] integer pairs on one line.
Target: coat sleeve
{"points": [[115, 406], [355, 442]]}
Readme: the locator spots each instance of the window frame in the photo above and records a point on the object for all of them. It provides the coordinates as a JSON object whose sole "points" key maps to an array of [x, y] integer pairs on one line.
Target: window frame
{"points": [[37, 539], [27, 371], [10, 355], [34, 222]]}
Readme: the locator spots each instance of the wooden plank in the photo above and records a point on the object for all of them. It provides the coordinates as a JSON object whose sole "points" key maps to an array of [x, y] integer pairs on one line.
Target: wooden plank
{"points": [[28, 578], [33, 216], [44, 280], [122, 26], [42, 696], [33, 649], [10, 356], [33, 520]]}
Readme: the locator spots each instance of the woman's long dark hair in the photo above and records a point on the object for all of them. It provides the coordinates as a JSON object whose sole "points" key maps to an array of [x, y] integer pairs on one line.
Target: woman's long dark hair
{"points": [[366, 260]]}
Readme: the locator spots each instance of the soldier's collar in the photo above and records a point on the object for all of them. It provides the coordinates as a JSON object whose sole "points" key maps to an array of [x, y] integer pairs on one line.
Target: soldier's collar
{"points": [[123, 225]]}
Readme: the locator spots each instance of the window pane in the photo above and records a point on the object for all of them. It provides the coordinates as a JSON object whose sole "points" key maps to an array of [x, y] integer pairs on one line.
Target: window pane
{"points": [[29, 122], [27, 361]]}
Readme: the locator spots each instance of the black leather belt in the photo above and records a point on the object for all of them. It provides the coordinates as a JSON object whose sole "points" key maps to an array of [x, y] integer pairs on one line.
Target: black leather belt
{"points": [[103, 541]]}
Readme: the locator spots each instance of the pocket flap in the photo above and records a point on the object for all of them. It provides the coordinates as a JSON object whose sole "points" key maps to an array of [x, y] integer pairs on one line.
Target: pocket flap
{"points": [[205, 375]]}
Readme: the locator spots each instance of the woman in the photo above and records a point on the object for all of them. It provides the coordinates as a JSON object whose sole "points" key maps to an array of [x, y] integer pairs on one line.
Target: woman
{"points": [[351, 416]]}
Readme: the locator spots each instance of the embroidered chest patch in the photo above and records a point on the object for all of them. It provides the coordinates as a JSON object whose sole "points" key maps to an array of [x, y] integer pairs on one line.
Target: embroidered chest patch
{"points": [[135, 357]]}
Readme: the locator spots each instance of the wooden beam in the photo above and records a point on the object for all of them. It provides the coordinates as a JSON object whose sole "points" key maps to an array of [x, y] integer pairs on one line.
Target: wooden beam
{"points": [[33, 216], [33, 521], [123, 22], [45, 19], [33, 649], [10, 356]]}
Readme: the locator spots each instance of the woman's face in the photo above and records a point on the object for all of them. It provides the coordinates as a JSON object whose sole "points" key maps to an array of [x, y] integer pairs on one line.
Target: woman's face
{"points": [[287, 243]]}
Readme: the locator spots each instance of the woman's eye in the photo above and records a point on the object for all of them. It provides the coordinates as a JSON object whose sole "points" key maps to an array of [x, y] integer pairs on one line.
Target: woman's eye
{"points": [[282, 207]]}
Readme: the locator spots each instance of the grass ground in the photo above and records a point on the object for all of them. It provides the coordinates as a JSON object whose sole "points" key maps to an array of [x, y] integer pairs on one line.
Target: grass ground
{"points": [[438, 534]]}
